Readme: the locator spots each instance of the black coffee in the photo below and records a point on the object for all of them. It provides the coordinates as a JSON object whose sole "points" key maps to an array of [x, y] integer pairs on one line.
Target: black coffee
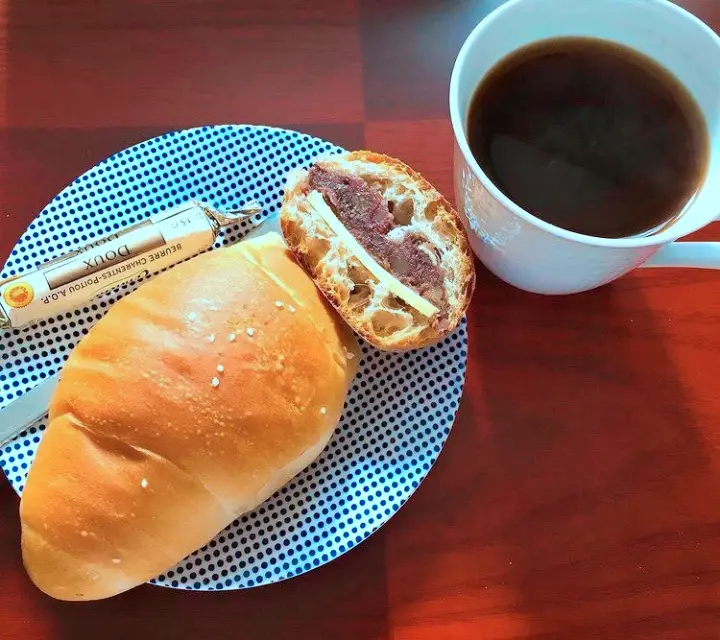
{"points": [[590, 136]]}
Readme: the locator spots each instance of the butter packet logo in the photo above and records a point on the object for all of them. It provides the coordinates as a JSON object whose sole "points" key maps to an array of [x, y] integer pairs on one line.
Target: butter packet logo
{"points": [[19, 295]]}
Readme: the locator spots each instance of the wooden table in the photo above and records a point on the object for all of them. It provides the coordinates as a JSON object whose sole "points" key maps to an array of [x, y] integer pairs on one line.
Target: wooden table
{"points": [[579, 493]]}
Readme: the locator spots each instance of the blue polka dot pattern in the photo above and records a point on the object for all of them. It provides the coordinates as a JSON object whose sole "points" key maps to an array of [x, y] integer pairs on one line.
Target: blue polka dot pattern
{"points": [[397, 415]]}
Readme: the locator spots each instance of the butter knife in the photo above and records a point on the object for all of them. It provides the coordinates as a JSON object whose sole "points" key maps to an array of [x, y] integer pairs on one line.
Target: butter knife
{"points": [[20, 414]]}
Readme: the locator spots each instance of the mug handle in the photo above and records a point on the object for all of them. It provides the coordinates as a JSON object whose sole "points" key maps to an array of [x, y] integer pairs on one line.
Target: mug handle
{"points": [[701, 255]]}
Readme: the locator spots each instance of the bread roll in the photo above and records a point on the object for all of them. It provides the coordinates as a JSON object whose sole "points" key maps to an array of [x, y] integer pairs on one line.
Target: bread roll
{"points": [[191, 402], [410, 231]]}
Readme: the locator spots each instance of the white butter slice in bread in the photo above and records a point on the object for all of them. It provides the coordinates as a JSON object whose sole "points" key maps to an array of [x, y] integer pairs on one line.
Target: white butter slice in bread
{"points": [[389, 281]]}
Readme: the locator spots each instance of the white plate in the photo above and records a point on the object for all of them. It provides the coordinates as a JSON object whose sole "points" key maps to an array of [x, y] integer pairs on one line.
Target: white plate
{"points": [[397, 416]]}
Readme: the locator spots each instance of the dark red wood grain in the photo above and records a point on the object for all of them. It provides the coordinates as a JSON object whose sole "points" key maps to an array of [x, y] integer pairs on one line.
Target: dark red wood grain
{"points": [[579, 493]]}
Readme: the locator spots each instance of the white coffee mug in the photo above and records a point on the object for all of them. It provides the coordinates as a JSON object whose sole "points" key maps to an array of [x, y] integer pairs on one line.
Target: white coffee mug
{"points": [[531, 253]]}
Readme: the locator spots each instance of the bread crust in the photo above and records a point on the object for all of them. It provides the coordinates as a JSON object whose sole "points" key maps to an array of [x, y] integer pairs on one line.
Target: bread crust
{"points": [[445, 216], [192, 401]]}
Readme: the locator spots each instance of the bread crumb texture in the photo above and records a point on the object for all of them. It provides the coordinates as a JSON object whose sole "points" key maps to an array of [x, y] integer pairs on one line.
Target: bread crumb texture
{"points": [[366, 304]]}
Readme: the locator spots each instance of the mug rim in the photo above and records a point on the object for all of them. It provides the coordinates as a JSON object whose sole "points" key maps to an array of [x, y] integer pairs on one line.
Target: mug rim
{"points": [[457, 119]]}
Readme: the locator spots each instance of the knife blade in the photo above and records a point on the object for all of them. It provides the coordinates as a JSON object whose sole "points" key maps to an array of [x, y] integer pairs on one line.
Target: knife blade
{"points": [[27, 409]]}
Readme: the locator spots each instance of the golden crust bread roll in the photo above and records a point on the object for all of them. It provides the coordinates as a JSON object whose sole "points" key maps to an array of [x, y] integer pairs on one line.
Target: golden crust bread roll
{"points": [[191, 402]]}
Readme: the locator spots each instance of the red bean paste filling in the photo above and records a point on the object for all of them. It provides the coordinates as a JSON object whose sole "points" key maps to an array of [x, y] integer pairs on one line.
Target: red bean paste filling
{"points": [[367, 216]]}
